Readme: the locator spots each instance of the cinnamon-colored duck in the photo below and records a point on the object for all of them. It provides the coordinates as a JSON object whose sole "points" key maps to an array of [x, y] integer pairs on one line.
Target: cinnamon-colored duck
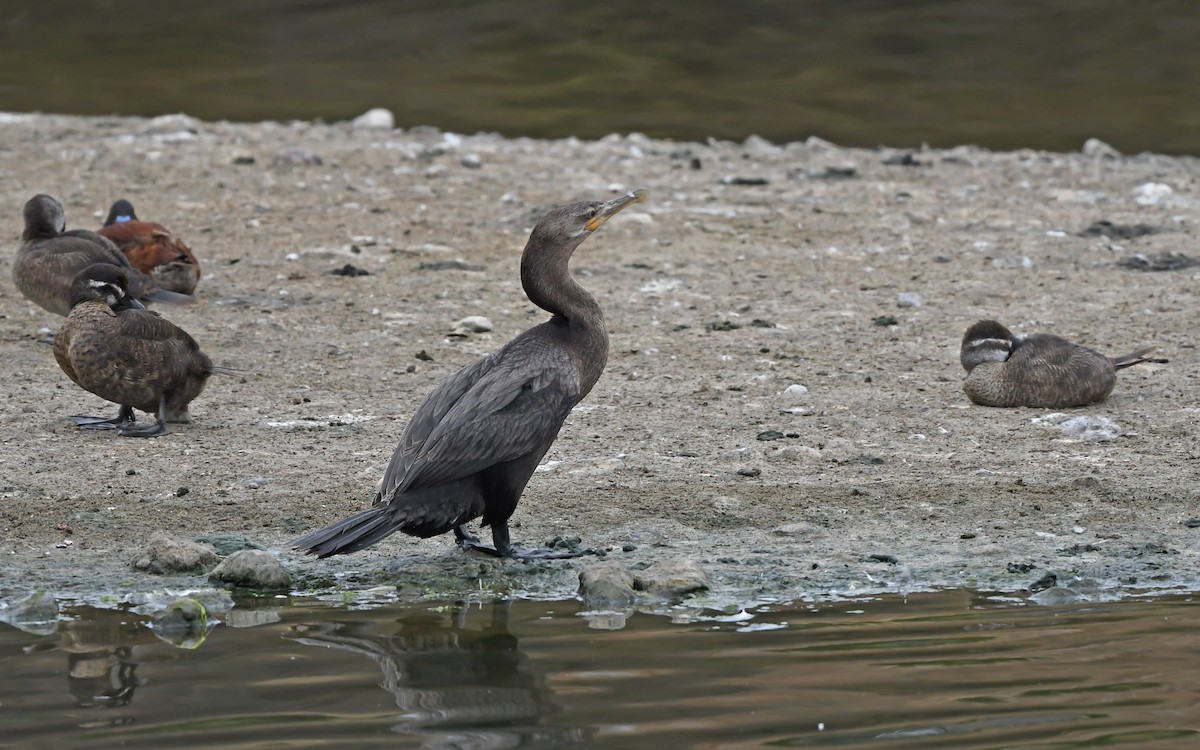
{"points": [[152, 249]]}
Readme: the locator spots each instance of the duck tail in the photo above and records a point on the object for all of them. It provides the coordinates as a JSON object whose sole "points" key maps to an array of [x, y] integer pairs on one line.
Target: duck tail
{"points": [[1137, 358], [168, 297], [350, 534]]}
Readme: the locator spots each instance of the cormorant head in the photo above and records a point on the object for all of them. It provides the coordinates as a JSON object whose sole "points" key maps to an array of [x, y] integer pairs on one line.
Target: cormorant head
{"points": [[985, 341], [121, 212], [570, 224], [104, 282], [44, 218]]}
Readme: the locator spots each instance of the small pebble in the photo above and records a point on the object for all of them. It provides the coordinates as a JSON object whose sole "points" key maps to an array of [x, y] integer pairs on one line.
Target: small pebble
{"points": [[471, 161], [885, 320], [908, 299], [749, 472]]}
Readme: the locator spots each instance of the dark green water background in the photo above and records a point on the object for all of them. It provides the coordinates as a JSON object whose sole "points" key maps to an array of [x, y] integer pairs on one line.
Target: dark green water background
{"points": [[1036, 73], [953, 670]]}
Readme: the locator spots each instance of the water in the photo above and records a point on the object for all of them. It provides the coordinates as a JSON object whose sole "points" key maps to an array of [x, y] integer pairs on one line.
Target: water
{"points": [[1041, 73], [950, 670]]}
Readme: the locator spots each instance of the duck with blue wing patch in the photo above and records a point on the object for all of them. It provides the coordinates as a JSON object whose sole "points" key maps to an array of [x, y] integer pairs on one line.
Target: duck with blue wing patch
{"points": [[475, 441]]}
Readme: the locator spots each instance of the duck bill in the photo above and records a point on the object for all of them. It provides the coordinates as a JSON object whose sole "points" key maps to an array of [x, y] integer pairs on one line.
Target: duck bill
{"points": [[613, 207]]}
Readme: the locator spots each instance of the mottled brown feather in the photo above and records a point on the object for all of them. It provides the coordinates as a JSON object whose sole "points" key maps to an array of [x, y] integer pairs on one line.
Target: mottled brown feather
{"points": [[131, 357]]}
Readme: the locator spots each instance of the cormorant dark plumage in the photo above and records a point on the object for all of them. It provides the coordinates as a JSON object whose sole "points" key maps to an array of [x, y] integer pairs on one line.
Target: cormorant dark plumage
{"points": [[50, 257], [1040, 370], [112, 347], [152, 249], [475, 441]]}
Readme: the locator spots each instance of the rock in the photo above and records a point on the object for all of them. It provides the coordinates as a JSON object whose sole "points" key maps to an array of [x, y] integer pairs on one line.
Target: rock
{"points": [[252, 569], [908, 299], [1091, 429], [1098, 149], [1105, 228], [296, 156], [165, 555], [471, 161], [473, 324], [798, 528], [671, 579], [1159, 262], [252, 618], [184, 623], [351, 271], [736, 180], [36, 613], [171, 125], [1151, 193], [450, 265], [795, 389], [226, 544], [883, 321], [606, 585], [375, 119], [749, 471]]}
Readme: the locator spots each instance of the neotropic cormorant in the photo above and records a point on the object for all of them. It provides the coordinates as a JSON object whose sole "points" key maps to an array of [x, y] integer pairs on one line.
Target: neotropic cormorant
{"points": [[50, 257], [152, 249], [113, 348], [1041, 370], [475, 441]]}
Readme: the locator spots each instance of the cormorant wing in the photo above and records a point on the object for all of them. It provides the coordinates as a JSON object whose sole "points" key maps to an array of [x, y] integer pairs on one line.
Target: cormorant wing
{"points": [[495, 410]]}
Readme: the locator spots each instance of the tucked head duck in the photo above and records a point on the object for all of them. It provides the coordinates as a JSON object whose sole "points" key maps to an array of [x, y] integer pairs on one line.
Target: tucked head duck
{"points": [[112, 347]]}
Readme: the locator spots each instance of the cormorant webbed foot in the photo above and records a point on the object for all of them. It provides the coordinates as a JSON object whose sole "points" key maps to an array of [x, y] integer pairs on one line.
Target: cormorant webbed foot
{"points": [[124, 417], [502, 548]]}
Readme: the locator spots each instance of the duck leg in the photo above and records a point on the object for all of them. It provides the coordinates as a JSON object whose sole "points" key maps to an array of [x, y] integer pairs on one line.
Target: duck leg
{"points": [[502, 547], [124, 417], [151, 430]]}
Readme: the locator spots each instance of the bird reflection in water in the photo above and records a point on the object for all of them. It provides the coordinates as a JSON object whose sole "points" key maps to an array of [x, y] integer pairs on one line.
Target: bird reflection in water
{"points": [[462, 687]]}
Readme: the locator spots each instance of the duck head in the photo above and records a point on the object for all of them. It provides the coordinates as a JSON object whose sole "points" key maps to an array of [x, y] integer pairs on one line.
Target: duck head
{"points": [[44, 218], [106, 283]]}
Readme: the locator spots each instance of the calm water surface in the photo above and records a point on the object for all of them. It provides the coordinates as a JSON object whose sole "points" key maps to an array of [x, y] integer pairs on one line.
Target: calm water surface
{"points": [[951, 670], [1036, 73]]}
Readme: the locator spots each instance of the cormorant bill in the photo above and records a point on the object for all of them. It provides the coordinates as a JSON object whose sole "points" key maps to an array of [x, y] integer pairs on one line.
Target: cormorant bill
{"points": [[475, 441]]}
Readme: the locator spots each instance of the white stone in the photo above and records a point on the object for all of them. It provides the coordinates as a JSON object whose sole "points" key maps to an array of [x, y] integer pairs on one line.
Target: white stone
{"points": [[474, 324], [1151, 193], [795, 389], [908, 299], [1097, 148], [375, 119]]}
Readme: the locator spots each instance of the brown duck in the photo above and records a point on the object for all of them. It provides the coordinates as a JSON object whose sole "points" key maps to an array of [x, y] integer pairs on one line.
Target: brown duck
{"points": [[475, 441], [152, 249], [50, 257], [1040, 370], [113, 348]]}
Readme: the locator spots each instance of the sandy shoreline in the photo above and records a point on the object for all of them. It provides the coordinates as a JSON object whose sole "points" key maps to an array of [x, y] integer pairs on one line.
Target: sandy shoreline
{"points": [[754, 267]]}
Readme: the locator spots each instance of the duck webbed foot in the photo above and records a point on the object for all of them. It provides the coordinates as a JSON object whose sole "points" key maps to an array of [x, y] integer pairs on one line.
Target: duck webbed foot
{"points": [[124, 417], [158, 427]]}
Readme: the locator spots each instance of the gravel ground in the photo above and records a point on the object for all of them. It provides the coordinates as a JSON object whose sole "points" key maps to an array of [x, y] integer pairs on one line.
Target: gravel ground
{"points": [[782, 402]]}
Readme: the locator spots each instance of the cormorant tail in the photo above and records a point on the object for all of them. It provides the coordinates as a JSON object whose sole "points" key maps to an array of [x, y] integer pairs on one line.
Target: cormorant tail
{"points": [[350, 534], [1136, 358]]}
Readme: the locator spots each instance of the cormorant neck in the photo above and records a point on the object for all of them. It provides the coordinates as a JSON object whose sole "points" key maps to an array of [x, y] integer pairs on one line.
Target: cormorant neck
{"points": [[548, 282]]}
